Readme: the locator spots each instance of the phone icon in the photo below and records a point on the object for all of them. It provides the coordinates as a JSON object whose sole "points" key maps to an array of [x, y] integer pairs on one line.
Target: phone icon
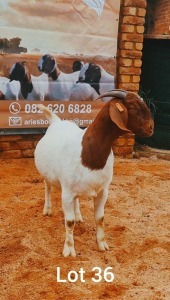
{"points": [[14, 108]]}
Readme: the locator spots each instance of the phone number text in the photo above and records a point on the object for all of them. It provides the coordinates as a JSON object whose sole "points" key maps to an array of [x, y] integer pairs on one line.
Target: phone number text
{"points": [[60, 108]]}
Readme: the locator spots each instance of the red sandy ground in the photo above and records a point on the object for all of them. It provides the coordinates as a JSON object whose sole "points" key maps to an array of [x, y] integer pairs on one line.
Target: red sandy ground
{"points": [[136, 218]]}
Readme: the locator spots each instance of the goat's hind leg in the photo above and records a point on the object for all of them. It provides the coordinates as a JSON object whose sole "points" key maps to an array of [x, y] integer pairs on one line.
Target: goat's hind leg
{"points": [[47, 204], [99, 203], [68, 208], [78, 216]]}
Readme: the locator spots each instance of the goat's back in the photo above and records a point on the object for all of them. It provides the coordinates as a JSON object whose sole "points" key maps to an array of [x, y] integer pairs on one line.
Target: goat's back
{"points": [[60, 89], [59, 148]]}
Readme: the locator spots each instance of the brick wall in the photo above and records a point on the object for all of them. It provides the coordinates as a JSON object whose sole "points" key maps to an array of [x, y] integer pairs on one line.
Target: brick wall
{"points": [[158, 17], [17, 146], [130, 44], [131, 30], [129, 59]]}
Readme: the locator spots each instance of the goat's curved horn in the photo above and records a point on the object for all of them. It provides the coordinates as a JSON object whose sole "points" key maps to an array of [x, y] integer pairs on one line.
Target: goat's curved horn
{"points": [[114, 93]]}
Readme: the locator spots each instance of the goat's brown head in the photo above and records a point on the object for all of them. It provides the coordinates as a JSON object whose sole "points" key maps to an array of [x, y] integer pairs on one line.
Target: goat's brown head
{"points": [[130, 113]]}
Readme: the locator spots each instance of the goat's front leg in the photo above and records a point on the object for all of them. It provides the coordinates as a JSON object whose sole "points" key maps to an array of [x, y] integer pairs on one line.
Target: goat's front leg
{"points": [[99, 203], [47, 204], [68, 208]]}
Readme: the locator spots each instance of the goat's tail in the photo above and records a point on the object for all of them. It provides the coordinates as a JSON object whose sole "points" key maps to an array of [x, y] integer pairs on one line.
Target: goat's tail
{"points": [[49, 115]]}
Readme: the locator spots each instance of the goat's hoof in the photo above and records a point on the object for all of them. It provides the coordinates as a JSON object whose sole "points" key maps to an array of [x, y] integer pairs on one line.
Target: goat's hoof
{"points": [[69, 251], [47, 212], [103, 246], [78, 219]]}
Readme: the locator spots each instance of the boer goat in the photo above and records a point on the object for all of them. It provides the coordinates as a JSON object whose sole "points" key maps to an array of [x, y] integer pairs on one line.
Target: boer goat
{"points": [[98, 78], [81, 161], [32, 87], [60, 83]]}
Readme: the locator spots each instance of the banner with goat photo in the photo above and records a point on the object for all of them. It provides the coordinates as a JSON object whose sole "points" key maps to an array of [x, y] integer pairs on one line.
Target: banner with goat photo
{"points": [[60, 52]]}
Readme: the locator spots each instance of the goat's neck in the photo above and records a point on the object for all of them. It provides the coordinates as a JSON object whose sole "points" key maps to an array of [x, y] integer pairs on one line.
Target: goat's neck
{"points": [[96, 87], [54, 74], [26, 86], [98, 139]]}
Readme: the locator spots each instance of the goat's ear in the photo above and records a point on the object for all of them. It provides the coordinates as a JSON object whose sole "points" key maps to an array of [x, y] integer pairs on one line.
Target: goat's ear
{"points": [[118, 115]]}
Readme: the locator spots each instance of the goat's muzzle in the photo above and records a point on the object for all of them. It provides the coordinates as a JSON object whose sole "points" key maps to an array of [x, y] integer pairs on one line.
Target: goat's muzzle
{"points": [[148, 129], [80, 79], [2, 96], [11, 78], [39, 68]]}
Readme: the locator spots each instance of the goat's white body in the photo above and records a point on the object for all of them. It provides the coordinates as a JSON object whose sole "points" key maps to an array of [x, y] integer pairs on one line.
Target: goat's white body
{"points": [[58, 159], [82, 91], [40, 87], [60, 88], [11, 90]]}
